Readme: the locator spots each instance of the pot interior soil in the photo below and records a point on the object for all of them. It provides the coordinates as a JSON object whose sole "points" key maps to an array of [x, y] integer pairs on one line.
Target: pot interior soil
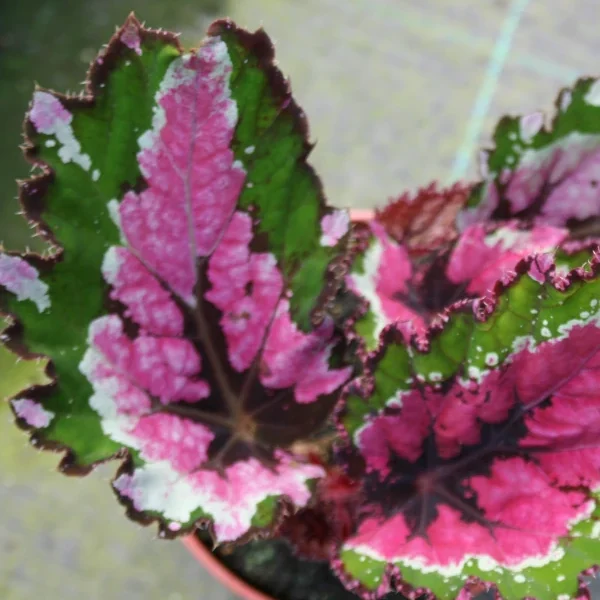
{"points": [[272, 567]]}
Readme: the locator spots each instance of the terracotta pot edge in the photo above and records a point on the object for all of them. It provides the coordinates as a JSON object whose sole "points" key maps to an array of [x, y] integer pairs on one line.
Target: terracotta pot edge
{"points": [[361, 214], [219, 571]]}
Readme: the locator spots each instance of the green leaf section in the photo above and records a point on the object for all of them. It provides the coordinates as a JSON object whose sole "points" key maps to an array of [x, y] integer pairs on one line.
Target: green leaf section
{"points": [[575, 114], [75, 209], [365, 328], [525, 309], [265, 512], [366, 325], [271, 142], [566, 261], [546, 582], [367, 570]]}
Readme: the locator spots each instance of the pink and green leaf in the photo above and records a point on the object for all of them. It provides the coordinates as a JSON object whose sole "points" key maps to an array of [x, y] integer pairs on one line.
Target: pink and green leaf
{"points": [[88, 145], [382, 276], [478, 444], [413, 290], [399, 243], [183, 305], [545, 174]]}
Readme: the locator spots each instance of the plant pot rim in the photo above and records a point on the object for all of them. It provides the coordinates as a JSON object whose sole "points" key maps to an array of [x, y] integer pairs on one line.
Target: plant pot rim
{"points": [[361, 214], [219, 571], [204, 556]]}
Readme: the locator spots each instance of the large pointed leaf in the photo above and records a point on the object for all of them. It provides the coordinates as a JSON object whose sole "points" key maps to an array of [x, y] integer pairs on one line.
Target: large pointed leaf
{"points": [[183, 311], [548, 175], [478, 445]]}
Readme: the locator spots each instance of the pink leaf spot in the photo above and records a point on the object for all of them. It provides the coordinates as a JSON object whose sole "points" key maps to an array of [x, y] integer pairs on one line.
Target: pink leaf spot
{"points": [[131, 38], [32, 413], [334, 226], [293, 358], [530, 125], [183, 443], [20, 278], [193, 180], [50, 117], [148, 303]]}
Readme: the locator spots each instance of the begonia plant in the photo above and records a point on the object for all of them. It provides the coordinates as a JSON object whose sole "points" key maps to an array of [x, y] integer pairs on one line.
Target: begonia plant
{"points": [[415, 398]]}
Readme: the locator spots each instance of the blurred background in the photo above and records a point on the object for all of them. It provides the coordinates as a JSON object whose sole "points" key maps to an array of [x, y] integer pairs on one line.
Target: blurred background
{"points": [[398, 93]]}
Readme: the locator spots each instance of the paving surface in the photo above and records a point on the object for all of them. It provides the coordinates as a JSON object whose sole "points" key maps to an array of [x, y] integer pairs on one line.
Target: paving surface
{"points": [[398, 93]]}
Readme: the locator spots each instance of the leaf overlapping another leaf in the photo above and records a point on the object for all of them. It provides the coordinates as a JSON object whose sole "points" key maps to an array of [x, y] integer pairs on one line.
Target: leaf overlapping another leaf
{"points": [[478, 444], [200, 311], [183, 306], [424, 222], [543, 174], [441, 383], [412, 291]]}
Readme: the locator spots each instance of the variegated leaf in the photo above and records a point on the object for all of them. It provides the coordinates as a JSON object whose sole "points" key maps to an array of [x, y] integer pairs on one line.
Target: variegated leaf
{"points": [[478, 445], [545, 173], [183, 306]]}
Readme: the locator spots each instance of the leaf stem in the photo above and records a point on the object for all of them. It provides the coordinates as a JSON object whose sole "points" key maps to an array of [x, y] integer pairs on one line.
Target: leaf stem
{"points": [[253, 371], [192, 413], [216, 364]]}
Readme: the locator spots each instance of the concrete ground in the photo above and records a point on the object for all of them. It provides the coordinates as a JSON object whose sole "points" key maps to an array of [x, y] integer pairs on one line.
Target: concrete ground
{"points": [[399, 93]]}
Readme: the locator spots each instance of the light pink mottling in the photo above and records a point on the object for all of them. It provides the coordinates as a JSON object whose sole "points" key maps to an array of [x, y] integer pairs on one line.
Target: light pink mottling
{"points": [[394, 278], [465, 408], [568, 173], [573, 171], [388, 276], [131, 38], [402, 434], [455, 418], [231, 500], [129, 399], [47, 113], [334, 226], [515, 494], [167, 368], [293, 358], [193, 181], [568, 429], [483, 259], [21, 279], [33, 413], [168, 437], [147, 302], [246, 288]]}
